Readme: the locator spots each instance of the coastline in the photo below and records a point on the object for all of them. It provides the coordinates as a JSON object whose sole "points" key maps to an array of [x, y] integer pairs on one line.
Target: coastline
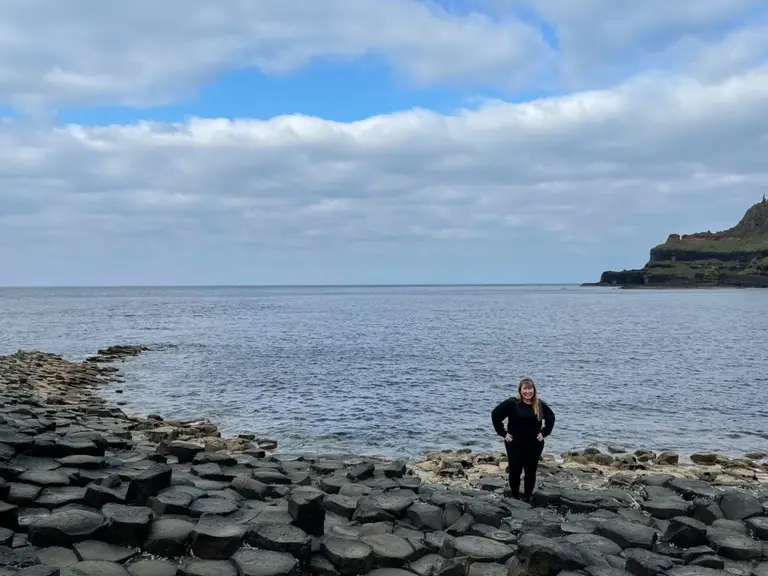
{"points": [[241, 503]]}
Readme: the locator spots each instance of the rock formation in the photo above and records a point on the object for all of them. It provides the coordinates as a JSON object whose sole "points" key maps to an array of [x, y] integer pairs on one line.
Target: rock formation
{"points": [[86, 490], [735, 257]]}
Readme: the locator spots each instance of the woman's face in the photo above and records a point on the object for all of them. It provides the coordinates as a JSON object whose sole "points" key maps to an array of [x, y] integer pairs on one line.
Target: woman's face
{"points": [[527, 392]]}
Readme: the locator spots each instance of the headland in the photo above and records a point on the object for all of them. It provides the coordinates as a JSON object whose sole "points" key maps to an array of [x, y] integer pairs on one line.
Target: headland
{"points": [[86, 489], [733, 258]]}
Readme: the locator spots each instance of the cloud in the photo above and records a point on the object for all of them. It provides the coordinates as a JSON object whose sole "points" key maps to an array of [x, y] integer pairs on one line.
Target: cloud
{"points": [[578, 168], [145, 52]]}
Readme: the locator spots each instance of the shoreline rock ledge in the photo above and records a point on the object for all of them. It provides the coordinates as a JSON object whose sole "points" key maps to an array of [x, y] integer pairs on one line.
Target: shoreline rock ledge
{"points": [[86, 490]]}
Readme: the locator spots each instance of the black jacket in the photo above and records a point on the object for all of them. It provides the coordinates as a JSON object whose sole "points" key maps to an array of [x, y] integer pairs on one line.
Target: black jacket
{"points": [[522, 423]]}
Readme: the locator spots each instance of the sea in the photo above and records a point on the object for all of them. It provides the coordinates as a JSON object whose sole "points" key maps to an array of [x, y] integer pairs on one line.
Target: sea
{"points": [[400, 371]]}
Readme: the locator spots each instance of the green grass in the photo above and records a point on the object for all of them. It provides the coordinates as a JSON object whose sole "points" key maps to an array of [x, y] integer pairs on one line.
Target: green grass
{"points": [[757, 245]]}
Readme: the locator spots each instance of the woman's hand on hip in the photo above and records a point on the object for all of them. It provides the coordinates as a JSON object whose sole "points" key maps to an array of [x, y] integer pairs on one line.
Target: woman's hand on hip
{"points": [[508, 438], [540, 437]]}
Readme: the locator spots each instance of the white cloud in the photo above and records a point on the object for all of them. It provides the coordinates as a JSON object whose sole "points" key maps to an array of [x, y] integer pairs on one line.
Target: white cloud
{"points": [[559, 165], [148, 52]]}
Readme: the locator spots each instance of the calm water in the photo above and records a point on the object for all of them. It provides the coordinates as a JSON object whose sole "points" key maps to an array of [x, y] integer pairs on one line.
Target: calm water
{"points": [[405, 370]]}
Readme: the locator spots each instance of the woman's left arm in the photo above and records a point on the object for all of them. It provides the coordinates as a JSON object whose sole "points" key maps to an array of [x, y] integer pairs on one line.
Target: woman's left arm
{"points": [[549, 419]]}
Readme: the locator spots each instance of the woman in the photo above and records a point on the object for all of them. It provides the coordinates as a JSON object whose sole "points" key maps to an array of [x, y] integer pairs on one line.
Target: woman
{"points": [[529, 421]]}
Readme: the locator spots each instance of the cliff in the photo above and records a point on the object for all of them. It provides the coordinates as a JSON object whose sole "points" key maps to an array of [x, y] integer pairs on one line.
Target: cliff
{"points": [[735, 257]]}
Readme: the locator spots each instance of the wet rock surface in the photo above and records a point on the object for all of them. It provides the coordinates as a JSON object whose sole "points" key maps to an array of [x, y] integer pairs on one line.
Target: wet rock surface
{"points": [[86, 489]]}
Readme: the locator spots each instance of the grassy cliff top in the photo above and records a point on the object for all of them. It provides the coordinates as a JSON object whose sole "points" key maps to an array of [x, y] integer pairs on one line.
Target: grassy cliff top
{"points": [[749, 235]]}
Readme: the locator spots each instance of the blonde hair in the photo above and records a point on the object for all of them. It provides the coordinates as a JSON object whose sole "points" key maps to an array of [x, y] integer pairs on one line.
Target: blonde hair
{"points": [[535, 402]]}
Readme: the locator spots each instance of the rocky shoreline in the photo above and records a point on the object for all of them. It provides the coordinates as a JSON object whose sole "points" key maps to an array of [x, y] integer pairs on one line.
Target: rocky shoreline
{"points": [[87, 490]]}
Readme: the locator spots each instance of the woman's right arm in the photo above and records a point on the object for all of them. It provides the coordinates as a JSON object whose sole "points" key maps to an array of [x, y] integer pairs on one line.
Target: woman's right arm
{"points": [[498, 415]]}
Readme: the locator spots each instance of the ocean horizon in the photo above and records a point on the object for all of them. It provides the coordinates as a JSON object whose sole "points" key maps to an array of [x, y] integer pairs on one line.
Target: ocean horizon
{"points": [[402, 370]]}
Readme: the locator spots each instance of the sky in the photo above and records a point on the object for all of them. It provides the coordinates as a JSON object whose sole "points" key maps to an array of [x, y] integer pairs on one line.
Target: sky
{"points": [[186, 142]]}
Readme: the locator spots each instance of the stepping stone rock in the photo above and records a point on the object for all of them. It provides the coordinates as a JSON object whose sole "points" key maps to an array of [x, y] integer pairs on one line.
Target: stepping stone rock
{"points": [[547, 557], [94, 568], [758, 526], [627, 534], [305, 505], [66, 527], [83, 461], [690, 488], [216, 538], [152, 568], [271, 477], [488, 569], [646, 563], [168, 537], [280, 538], [739, 505], [57, 497], [186, 451], [45, 478], [57, 557], [396, 572], [344, 506], [97, 550], [38, 571], [426, 516], [733, 545], [171, 502], [264, 563], [217, 506], [350, 557], [148, 483], [127, 525], [249, 488], [194, 567], [390, 550], [478, 548], [384, 506], [666, 508], [685, 532]]}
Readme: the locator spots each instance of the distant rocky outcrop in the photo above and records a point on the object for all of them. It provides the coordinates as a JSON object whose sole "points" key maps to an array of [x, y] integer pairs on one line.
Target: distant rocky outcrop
{"points": [[735, 257]]}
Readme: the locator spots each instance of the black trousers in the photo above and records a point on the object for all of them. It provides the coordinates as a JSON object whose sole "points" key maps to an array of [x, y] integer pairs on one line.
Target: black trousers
{"points": [[523, 456]]}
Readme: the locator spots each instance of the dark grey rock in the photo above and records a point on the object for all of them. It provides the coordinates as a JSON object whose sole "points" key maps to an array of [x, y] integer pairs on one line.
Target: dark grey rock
{"points": [[152, 568], [305, 505], [706, 511], [216, 538], [83, 461], [349, 557], [271, 477], [737, 505], [344, 506], [391, 550], [39, 570], [94, 568], [426, 516], [168, 537], [708, 561], [543, 556], [185, 451], [691, 488], [126, 525], [758, 526], [61, 496], [171, 502], [425, 565], [627, 534], [218, 506], [249, 488], [666, 508], [476, 548], [685, 532], [384, 506], [195, 567], [462, 526], [642, 562], [733, 545], [731, 526], [264, 563], [98, 550], [149, 482], [57, 556], [45, 478], [280, 538], [64, 528]]}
